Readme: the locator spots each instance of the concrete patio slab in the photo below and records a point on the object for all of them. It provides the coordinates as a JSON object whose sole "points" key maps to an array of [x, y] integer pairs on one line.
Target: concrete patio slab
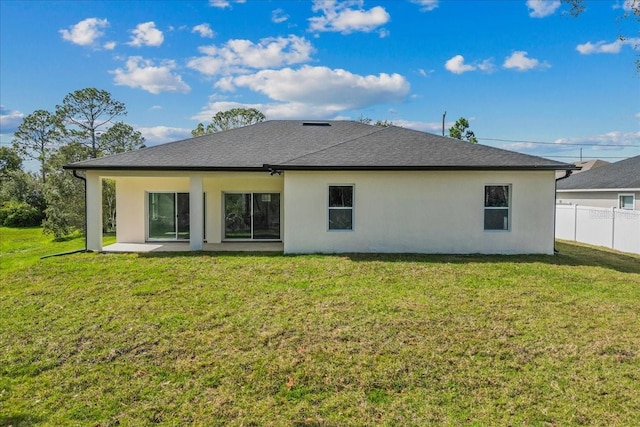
{"points": [[184, 247]]}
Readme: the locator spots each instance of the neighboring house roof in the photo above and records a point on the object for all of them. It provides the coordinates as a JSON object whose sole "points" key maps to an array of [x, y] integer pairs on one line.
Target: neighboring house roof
{"points": [[590, 164], [584, 166], [332, 145], [624, 174]]}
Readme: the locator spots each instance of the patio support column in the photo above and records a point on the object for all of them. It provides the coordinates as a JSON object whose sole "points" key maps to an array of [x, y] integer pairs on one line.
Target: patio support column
{"points": [[196, 209], [94, 211]]}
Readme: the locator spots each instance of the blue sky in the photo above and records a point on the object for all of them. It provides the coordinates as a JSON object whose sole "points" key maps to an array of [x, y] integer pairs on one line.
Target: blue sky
{"points": [[518, 70]]}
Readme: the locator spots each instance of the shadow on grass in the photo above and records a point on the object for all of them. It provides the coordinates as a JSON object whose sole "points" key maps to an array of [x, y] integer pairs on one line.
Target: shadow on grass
{"points": [[20, 420], [569, 254]]}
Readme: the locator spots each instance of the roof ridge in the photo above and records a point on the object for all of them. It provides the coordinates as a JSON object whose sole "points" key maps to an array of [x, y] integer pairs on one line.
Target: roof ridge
{"points": [[334, 145]]}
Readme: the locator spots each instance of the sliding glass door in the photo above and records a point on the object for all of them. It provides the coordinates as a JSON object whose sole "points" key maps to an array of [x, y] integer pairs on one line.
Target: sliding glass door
{"points": [[168, 216], [252, 216]]}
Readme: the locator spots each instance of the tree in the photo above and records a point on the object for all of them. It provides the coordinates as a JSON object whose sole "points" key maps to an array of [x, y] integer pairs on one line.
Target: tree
{"points": [[21, 199], [225, 120], [64, 193], [88, 110], [460, 130], [381, 123], [119, 138], [38, 137], [9, 161]]}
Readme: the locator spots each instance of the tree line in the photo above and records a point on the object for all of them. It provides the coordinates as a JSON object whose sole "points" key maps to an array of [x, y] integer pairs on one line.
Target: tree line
{"points": [[86, 124]]}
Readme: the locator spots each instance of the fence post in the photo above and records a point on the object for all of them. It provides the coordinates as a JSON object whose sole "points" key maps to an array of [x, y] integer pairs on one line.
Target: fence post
{"points": [[613, 227], [575, 223]]}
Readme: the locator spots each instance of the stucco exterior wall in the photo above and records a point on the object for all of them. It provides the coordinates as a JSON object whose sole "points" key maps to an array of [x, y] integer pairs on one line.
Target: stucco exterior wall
{"points": [[131, 198], [599, 199], [419, 212]]}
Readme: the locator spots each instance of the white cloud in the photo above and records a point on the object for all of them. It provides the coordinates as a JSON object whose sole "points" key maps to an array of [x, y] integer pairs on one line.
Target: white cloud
{"points": [[431, 127], [426, 5], [160, 134], [278, 16], [85, 32], [204, 30], [109, 45], [156, 107], [589, 48], [239, 55], [542, 8], [331, 90], [520, 62], [346, 17], [9, 120], [142, 73], [620, 139], [487, 66], [628, 5], [600, 142], [425, 73], [222, 4], [146, 34], [456, 65]]}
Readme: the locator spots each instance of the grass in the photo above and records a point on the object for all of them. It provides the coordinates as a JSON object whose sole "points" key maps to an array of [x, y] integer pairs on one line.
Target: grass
{"points": [[230, 339], [22, 247]]}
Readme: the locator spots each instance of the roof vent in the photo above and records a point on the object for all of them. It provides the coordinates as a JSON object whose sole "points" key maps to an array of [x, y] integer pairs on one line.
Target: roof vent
{"points": [[316, 124]]}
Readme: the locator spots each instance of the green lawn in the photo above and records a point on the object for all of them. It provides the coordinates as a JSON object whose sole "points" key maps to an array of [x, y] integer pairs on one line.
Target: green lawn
{"points": [[251, 340]]}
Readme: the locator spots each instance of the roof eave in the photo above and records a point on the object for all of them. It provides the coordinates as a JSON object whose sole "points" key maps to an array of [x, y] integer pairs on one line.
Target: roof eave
{"points": [[417, 168], [587, 190], [168, 168]]}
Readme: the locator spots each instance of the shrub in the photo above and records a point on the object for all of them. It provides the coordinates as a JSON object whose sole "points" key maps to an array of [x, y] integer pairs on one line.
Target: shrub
{"points": [[20, 214]]}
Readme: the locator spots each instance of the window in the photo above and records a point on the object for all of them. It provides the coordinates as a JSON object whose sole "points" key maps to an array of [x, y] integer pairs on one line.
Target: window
{"points": [[626, 201], [496, 207], [341, 207]]}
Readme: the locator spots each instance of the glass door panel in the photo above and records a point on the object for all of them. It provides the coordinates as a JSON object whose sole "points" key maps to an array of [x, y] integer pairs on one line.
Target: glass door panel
{"points": [[237, 216], [162, 216], [182, 207], [266, 216]]}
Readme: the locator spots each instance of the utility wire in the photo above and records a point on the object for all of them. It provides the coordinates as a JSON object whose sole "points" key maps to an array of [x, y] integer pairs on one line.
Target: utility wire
{"points": [[573, 157], [561, 143]]}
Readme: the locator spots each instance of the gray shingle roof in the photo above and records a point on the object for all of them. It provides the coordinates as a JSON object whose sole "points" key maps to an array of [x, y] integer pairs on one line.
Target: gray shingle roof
{"points": [[622, 174], [296, 144]]}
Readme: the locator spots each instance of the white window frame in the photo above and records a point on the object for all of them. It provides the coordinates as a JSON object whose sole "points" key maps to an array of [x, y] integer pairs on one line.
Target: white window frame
{"points": [[633, 201], [508, 208], [352, 208]]}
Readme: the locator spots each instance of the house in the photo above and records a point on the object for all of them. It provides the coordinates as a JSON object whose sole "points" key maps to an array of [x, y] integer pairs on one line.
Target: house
{"points": [[584, 166], [329, 187], [615, 185]]}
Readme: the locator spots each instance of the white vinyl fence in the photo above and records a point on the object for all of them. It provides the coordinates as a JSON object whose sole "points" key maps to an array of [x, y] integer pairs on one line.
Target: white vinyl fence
{"points": [[614, 228]]}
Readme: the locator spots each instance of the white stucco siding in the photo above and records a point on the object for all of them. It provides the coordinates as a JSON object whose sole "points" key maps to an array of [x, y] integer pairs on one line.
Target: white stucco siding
{"points": [[131, 203], [421, 212], [599, 199], [131, 197]]}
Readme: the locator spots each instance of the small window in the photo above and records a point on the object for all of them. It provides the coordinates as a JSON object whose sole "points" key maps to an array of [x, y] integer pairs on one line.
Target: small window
{"points": [[341, 207], [626, 201], [496, 207]]}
